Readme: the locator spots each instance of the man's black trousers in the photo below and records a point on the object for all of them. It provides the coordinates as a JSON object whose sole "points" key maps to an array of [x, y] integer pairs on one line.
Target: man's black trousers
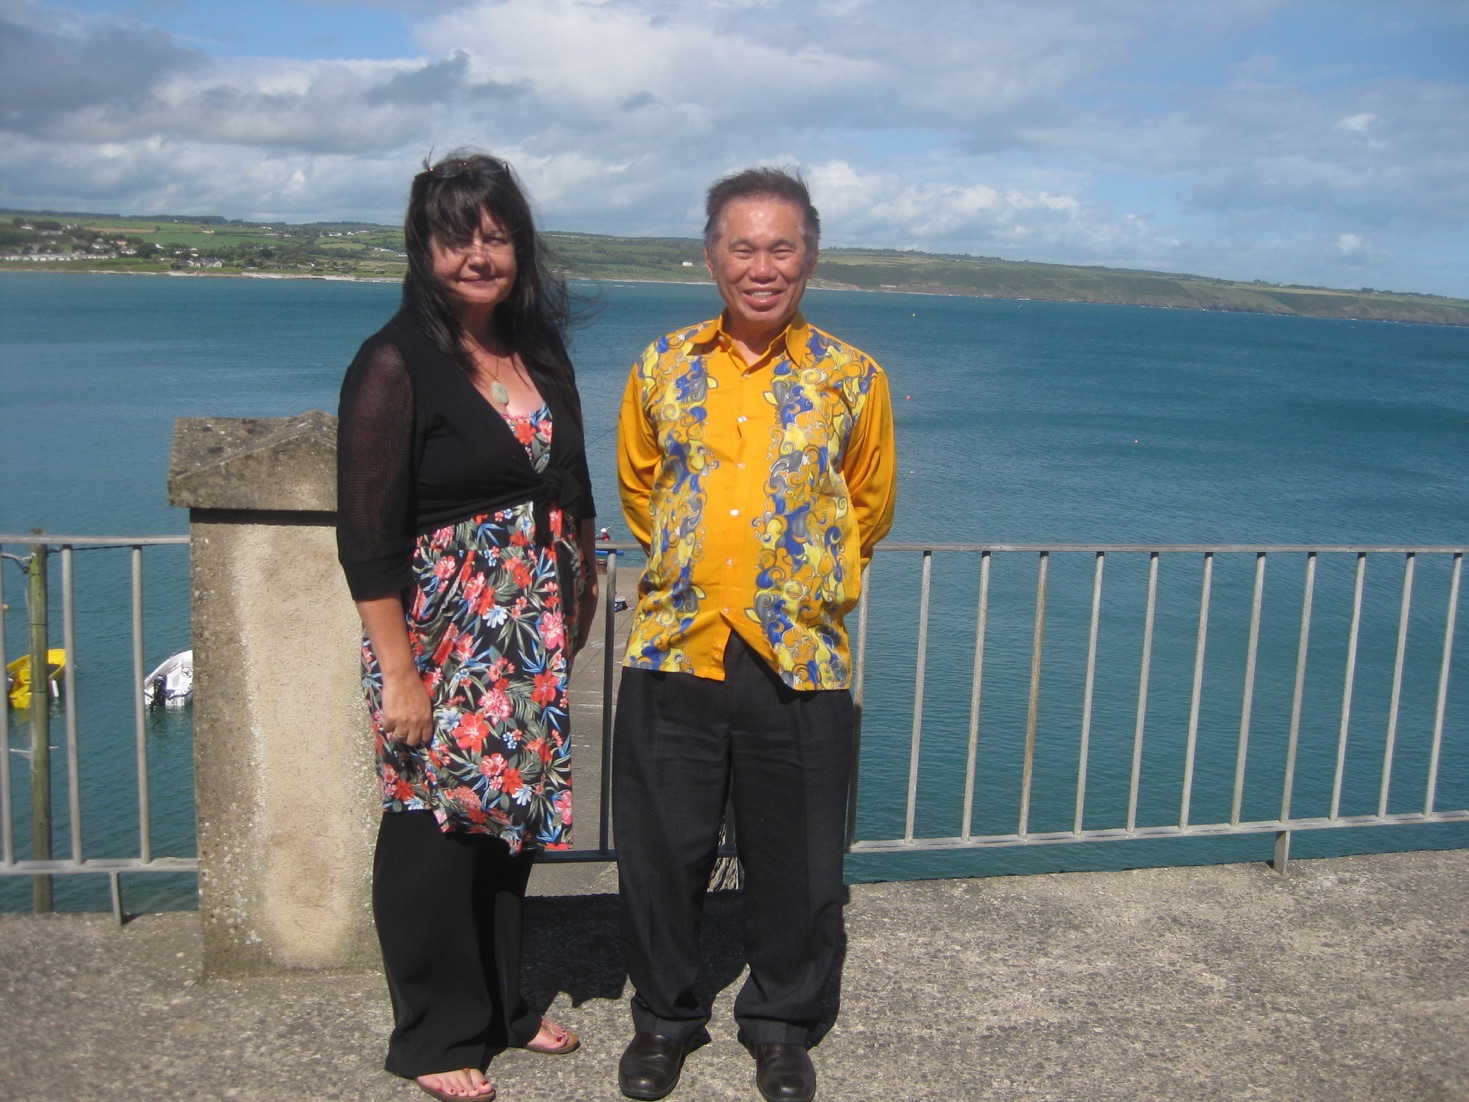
{"points": [[684, 747]]}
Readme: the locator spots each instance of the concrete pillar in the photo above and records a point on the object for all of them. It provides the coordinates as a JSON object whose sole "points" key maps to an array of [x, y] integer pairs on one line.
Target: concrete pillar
{"points": [[285, 789]]}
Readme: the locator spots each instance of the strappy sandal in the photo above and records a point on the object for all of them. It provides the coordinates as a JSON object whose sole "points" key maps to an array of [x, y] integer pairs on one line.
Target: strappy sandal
{"points": [[562, 1040]]}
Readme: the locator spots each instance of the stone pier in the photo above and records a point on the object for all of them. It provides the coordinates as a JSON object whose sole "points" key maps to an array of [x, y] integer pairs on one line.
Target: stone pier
{"points": [[284, 780]]}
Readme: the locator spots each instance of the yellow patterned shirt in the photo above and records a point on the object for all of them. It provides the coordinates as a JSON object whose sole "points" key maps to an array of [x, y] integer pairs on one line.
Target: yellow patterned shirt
{"points": [[758, 493]]}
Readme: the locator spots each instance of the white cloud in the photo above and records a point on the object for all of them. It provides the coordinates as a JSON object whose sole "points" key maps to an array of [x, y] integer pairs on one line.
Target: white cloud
{"points": [[1149, 133]]}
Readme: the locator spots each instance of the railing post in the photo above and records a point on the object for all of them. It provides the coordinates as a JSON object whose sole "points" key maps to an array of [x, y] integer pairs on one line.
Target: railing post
{"points": [[859, 680], [609, 643], [7, 830], [40, 726], [1032, 715], [919, 675], [285, 794], [1281, 863]]}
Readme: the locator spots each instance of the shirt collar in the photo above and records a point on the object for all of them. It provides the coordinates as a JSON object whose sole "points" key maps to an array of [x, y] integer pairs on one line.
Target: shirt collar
{"points": [[796, 335]]}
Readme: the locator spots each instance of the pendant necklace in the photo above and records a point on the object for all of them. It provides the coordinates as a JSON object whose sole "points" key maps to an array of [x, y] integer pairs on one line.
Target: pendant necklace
{"points": [[498, 392]]}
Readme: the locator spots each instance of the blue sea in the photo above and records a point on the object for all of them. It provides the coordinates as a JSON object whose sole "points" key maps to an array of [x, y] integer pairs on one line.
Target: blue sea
{"points": [[1018, 422]]}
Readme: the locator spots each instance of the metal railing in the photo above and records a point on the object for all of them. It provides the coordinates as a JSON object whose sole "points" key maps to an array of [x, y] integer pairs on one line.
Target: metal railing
{"points": [[1075, 732], [1046, 714], [38, 548]]}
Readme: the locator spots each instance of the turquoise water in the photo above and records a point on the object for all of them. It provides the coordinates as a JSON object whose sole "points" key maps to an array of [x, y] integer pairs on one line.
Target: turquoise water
{"points": [[1017, 421]]}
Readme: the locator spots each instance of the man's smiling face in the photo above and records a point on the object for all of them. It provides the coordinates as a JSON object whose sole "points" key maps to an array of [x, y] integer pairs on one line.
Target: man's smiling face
{"points": [[761, 265]]}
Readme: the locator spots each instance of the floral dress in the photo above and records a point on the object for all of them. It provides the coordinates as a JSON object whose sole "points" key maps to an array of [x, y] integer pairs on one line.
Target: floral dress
{"points": [[491, 632]]}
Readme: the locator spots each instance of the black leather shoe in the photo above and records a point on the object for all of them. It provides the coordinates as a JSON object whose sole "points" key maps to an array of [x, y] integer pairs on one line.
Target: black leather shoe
{"points": [[649, 1066], [784, 1072]]}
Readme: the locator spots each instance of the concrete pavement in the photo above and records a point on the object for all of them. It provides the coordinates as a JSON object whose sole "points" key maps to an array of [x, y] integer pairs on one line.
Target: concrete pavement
{"points": [[1347, 980]]}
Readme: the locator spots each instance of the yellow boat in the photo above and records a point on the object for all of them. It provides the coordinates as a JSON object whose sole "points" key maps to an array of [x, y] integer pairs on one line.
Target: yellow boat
{"points": [[18, 675]]}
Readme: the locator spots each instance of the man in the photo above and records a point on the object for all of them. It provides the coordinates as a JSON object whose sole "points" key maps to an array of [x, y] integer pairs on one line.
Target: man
{"points": [[757, 469]]}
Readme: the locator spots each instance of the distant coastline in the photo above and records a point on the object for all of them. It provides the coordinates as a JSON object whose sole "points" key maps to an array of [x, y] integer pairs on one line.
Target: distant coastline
{"points": [[212, 246]]}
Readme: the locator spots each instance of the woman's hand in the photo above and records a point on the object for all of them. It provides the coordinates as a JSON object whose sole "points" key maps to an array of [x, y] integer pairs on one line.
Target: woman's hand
{"points": [[407, 713]]}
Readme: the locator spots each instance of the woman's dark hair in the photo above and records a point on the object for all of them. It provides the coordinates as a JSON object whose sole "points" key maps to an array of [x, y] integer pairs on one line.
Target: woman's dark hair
{"points": [[447, 203], [762, 183]]}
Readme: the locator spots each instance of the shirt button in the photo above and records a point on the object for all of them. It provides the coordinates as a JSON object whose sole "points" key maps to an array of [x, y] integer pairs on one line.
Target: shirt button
{"points": [[742, 418], [734, 512], [729, 562], [740, 466]]}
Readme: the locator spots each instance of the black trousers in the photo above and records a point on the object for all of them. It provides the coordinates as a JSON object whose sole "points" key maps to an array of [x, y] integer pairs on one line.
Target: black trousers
{"points": [[684, 746], [448, 909]]}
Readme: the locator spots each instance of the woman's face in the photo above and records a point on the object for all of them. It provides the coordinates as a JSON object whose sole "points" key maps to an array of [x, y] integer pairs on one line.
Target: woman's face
{"points": [[478, 273]]}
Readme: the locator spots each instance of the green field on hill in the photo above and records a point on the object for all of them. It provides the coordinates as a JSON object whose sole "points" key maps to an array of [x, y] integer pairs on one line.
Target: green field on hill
{"points": [[355, 250]]}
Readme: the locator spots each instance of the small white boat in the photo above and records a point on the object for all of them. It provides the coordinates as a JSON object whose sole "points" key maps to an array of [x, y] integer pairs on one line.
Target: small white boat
{"points": [[171, 685]]}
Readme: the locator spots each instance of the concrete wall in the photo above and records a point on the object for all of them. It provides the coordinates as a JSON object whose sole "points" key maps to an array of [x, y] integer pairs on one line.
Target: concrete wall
{"points": [[285, 789]]}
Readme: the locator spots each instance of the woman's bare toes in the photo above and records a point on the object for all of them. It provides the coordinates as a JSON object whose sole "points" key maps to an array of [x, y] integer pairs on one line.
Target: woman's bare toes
{"points": [[465, 1085]]}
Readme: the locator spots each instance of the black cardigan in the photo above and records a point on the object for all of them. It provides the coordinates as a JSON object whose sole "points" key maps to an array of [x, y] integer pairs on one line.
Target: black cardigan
{"points": [[418, 447]]}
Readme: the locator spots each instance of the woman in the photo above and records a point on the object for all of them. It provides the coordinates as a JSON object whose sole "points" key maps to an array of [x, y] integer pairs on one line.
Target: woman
{"points": [[465, 518]]}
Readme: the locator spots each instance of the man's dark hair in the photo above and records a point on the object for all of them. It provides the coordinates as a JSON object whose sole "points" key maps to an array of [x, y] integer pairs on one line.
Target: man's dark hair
{"points": [[447, 204], [762, 183]]}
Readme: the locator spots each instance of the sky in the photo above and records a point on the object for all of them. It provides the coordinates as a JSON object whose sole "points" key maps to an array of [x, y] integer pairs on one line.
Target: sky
{"points": [[1321, 142]]}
